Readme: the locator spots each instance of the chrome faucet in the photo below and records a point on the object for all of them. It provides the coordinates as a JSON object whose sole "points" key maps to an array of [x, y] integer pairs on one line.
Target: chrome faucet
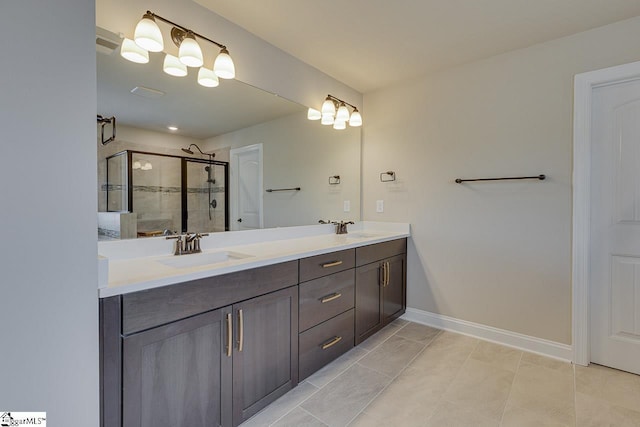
{"points": [[190, 244], [341, 227]]}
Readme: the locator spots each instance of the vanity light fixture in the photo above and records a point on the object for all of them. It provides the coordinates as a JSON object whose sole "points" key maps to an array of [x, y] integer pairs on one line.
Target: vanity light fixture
{"points": [[134, 53], [148, 38], [335, 112]]}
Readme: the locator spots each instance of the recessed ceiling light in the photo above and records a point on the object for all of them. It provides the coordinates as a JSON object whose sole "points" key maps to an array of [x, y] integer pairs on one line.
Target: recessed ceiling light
{"points": [[172, 128]]}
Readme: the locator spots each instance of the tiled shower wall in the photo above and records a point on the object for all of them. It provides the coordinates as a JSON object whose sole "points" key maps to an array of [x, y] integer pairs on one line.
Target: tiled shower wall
{"points": [[201, 217]]}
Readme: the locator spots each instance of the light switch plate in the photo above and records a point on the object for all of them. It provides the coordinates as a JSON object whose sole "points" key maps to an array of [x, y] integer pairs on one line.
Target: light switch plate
{"points": [[347, 205], [379, 206]]}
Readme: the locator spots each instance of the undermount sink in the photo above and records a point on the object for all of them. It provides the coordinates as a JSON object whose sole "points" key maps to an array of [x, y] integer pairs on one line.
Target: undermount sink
{"points": [[361, 235], [201, 259]]}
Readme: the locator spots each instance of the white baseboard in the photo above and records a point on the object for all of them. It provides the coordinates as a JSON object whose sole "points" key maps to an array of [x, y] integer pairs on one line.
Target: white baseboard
{"points": [[488, 333]]}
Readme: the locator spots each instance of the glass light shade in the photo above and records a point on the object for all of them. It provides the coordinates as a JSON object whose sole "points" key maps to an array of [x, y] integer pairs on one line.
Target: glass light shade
{"points": [[327, 119], [137, 165], [147, 167], [328, 107], [173, 66], [207, 78], [147, 34], [190, 53], [134, 53], [356, 119], [314, 114], [223, 65], [339, 124], [343, 113]]}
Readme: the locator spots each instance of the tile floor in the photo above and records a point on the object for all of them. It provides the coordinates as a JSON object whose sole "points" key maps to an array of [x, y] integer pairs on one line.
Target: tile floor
{"points": [[413, 375]]}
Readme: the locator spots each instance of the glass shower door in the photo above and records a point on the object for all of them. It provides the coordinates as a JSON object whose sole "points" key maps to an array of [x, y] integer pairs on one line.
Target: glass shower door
{"points": [[206, 198], [156, 193]]}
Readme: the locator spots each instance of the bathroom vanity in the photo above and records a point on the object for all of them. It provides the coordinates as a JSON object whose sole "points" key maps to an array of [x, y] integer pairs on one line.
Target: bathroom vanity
{"points": [[214, 344]]}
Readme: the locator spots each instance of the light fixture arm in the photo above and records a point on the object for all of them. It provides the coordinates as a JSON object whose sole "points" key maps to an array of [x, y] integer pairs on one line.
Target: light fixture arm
{"points": [[185, 30], [338, 100]]}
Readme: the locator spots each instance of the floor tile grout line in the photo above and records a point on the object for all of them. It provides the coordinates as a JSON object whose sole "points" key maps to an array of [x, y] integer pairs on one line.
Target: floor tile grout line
{"points": [[342, 371], [298, 405], [313, 416], [506, 402], [393, 378], [454, 378]]}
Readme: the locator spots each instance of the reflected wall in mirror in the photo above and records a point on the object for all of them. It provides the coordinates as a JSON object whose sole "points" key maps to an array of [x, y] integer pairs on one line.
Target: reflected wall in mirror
{"points": [[296, 152]]}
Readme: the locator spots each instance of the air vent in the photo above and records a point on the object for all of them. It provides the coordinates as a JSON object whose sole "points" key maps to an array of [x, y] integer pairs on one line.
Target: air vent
{"points": [[106, 41], [146, 92]]}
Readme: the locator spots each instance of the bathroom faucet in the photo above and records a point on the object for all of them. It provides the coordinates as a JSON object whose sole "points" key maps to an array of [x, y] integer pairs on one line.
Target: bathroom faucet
{"points": [[341, 227], [190, 244]]}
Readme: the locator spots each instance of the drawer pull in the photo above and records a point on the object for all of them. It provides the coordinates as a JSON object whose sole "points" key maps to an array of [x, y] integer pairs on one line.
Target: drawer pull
{"points": [[330, 297], [333, 341], [229, 335], [331, 264]]}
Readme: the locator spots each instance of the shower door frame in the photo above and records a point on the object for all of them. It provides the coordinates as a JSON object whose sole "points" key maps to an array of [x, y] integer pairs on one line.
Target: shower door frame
{"points": [[185, 212], [183, 182]]}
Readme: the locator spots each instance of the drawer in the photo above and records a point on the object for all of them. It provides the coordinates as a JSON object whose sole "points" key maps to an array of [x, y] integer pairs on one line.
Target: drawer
{"points": [[378, 251], [326, 297], [325, 264], [325, 342]]}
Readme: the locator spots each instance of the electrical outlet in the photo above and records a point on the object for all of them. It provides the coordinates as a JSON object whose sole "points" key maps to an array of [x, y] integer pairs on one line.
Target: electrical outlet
{"points": [[379, 206], [347, 205]]}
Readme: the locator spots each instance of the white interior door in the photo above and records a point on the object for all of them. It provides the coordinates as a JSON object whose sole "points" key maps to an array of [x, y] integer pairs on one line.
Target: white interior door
{"points": [[246, 188], [615, 226]]}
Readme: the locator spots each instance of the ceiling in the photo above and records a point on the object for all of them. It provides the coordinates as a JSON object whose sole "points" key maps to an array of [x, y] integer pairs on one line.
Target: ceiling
{"points": [[198, 112], [370, 44]]}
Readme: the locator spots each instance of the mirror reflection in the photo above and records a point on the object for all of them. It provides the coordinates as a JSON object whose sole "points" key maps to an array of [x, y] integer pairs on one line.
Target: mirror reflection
{"points": [[242, 142]]}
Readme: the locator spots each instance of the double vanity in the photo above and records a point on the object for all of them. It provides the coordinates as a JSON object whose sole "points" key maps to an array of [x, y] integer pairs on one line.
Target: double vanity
{"points": [[212, 338]]}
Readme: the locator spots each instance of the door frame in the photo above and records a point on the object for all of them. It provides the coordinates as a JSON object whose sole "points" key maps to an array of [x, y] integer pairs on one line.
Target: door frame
{"points": [[584, 84], [233, 167]]}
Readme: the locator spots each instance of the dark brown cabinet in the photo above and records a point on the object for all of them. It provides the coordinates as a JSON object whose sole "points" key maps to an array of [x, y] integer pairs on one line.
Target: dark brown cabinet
{"points": [[178, 374], [326, 309], [380, 286], [215, 351], [265, 356], [211, 352]]}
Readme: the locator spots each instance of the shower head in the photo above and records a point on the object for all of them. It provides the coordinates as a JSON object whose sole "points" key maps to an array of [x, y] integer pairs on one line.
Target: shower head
{"points": [[189, 151]]}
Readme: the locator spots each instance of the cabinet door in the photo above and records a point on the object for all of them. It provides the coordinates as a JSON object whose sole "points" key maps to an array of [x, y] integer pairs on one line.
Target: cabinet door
{"points": [[179, 374], [265, 359], [368, 300], [394, 291]]}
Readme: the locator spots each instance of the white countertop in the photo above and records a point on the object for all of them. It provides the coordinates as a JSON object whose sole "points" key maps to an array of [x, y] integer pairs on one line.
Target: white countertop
{"points": [[138, 264]]}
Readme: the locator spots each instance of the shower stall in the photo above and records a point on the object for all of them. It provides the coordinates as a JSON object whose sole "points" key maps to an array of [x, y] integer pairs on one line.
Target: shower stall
{"points": [[168, 193]]}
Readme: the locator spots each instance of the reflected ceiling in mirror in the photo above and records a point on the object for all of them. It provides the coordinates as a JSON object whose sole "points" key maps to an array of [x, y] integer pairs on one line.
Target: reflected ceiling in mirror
{"points": [[162, 100]]}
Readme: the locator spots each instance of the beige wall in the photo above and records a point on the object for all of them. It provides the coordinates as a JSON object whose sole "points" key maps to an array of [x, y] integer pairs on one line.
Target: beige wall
{"points": [[301, 153], [498, 254]]}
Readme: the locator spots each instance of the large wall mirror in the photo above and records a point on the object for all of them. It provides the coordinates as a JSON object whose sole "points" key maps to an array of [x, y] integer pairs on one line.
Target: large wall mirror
{"points": [[258, 141]]}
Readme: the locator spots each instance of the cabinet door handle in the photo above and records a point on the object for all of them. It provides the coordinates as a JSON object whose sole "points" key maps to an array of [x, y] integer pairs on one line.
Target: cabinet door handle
{"points": [[384, 274], [240, 330], [333, 341], [330, 297], [229, 335], [388, 270], [331, 264]]}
